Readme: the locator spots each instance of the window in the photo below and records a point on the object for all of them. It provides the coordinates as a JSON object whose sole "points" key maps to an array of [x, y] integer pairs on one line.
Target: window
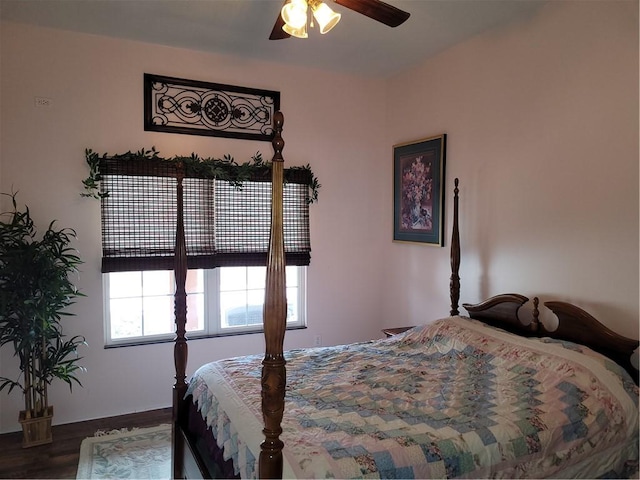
{"points": [[227, 235], [222, 301]]}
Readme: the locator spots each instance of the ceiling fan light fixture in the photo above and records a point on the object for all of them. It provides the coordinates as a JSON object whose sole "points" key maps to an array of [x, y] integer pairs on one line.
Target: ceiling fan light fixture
{"points": [[295, 18], [326, 18], [294, 14], [296, 32]]}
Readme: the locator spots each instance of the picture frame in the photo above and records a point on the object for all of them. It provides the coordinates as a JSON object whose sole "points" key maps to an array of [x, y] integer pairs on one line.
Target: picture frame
{"points": [[193, 107], [418, 191]]}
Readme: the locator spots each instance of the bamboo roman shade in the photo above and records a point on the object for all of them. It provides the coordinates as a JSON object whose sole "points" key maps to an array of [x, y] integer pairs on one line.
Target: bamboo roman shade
{"points": [[226, 224]]}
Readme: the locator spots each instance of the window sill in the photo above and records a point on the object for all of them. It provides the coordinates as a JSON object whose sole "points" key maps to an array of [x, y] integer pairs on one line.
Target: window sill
{"points": [[137, 342]]}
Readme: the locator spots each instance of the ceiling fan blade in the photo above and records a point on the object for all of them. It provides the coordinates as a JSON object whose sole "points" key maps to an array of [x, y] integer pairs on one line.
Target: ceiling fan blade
{"points": [[377, 10], [277, 33]]}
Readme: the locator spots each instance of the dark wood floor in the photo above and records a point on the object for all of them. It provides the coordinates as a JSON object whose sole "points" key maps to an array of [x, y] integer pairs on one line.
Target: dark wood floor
{"points": [[60, 458]]}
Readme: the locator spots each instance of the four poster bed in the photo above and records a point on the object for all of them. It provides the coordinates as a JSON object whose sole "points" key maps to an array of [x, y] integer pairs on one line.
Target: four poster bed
{"points": [[455, 398]]}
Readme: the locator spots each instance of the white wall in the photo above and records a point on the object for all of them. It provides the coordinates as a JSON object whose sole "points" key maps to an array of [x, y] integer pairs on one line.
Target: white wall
{"points": [[542, 123], [331, 122], [542, 119]]}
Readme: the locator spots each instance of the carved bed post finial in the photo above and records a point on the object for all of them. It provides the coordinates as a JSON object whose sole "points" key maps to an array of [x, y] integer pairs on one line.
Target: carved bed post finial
{"points": [[278, 141], [274, 376], [535, 321], [454, 286]]}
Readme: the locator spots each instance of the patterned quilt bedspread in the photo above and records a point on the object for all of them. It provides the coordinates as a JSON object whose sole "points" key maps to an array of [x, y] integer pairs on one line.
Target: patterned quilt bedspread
{"points": [[454, 398]]}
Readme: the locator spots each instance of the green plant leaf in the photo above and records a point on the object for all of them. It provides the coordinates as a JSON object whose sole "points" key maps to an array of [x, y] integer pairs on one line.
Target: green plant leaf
{"points": [[36, 290], [226, 169]]}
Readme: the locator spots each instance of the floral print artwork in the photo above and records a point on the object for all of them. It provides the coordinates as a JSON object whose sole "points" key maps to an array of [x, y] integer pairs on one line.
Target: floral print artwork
{"points": [[416, 193]]}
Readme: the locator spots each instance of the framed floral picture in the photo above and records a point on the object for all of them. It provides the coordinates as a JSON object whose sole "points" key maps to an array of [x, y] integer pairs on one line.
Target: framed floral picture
{"points": [[418, 192]]}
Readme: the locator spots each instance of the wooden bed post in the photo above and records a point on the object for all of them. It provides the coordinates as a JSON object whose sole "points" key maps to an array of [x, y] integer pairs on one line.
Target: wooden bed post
{"points": [[180, 349], [454, 286], [274, 376]]}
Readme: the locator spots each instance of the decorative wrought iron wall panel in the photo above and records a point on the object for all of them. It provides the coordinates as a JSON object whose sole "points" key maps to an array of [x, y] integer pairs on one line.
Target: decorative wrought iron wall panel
{"points": [[177, 105]]}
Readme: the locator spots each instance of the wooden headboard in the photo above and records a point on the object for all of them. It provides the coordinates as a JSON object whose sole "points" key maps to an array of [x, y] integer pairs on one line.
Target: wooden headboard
{"points": [[574, 325], [502, 311]]}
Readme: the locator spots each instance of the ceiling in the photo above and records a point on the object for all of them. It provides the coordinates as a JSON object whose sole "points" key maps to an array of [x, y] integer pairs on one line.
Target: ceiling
{"points": [[357, 45]]}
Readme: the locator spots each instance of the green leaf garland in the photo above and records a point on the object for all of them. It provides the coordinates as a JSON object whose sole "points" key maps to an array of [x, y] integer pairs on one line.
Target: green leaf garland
{"points": [[225, 168]]}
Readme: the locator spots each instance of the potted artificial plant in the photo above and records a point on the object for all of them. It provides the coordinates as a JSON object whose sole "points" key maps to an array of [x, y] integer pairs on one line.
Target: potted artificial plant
{"points": [[35, 291]]}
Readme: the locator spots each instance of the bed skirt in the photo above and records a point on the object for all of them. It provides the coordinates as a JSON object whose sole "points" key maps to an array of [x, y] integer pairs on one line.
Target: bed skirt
{"points": [[210, 452]]}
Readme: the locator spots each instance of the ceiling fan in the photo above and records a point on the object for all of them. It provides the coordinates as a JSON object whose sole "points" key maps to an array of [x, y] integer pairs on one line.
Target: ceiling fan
{"points": [[292, 21]]}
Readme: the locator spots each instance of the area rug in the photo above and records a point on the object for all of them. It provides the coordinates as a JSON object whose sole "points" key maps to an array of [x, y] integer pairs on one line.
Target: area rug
{"points": [[143, 453]]}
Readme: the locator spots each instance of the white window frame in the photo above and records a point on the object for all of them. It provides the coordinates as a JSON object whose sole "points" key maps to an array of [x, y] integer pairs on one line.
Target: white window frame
{"points": [[212, 319]]}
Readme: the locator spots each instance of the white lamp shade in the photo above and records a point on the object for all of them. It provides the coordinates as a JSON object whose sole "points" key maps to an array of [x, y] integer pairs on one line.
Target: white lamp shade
{"points": [[296, 32], [326, 18], [294, 14]]}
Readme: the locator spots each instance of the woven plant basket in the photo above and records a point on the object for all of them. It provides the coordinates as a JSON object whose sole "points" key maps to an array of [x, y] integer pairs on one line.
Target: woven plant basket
{"points": [[36, 431]]}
